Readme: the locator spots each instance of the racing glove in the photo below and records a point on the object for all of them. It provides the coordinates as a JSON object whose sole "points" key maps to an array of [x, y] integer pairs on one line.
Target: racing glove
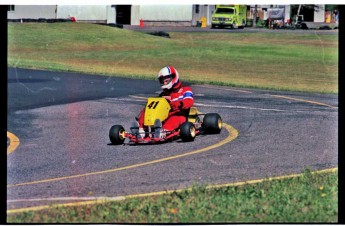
{"points": [[176, 105], [168, 98]]}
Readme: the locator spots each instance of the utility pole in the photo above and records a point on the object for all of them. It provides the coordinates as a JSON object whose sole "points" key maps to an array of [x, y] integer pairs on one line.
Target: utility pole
{"points": [[298, 11], [255, 13]]}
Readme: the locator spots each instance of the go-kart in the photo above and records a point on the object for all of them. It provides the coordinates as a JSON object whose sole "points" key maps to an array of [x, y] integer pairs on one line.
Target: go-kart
{"points": [[156, 111]]}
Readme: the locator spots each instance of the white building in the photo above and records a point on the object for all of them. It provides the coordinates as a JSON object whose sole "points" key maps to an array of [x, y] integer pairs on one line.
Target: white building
{"points": [[31, 12], [151, 15], [94, 13], [171, 15]]}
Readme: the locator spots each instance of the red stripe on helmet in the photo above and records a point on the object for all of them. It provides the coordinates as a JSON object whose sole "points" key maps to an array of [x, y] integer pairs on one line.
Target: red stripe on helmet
{"points": [[171, 70]]}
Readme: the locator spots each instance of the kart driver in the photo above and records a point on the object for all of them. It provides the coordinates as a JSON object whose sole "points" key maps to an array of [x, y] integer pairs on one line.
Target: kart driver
{"points": [[180, 99]]}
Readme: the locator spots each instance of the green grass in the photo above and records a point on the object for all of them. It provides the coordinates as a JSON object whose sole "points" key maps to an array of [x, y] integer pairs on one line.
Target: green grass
{"points": [[279, 61], [309, 198]]}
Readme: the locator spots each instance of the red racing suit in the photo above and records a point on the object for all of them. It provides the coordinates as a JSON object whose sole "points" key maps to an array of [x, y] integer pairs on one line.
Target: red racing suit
{"points": [[180, 99]]}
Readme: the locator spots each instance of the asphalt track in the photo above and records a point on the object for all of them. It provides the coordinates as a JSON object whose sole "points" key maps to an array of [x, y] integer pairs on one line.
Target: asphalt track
{"points": [[59, 124]]}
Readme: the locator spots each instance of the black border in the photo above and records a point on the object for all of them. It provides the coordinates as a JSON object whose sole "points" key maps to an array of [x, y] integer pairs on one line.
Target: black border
{"points": [[3, 75]]}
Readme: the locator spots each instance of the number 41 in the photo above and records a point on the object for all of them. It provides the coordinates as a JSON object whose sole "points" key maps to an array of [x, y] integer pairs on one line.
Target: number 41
{"points": [[153, 105]]}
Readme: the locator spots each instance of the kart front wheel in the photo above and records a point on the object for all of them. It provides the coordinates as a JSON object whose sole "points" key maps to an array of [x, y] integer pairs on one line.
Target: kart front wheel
{"points": [[187, 131], [117, 134], [212, 123]]}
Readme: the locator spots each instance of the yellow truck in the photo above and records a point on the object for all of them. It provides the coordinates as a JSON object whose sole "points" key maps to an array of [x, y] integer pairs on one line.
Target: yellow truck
{"points": [[234, 16]]}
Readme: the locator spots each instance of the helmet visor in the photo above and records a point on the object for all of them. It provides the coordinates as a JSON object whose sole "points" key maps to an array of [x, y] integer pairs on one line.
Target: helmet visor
{"points": [[164, 80]]}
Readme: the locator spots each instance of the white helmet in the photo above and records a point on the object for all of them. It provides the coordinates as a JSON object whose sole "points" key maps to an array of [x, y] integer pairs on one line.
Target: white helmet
{"points": [[168, 77]]}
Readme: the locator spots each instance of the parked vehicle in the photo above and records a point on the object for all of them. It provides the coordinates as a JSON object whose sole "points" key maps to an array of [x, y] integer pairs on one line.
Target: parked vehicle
{"points": [[234, 16]]}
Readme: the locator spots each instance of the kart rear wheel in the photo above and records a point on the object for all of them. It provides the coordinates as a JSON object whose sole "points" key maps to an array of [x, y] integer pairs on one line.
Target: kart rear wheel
{"points": [[187, 131], [117, 134], [212, 123]]}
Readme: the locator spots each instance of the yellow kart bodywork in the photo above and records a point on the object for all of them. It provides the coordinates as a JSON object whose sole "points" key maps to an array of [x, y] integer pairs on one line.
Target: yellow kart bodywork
{"points": [[156, 108]]}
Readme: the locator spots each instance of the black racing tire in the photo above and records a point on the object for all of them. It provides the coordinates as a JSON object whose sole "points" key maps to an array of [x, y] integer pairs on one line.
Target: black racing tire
{"points": [[116, 134], [187, 132], [212, 123]]}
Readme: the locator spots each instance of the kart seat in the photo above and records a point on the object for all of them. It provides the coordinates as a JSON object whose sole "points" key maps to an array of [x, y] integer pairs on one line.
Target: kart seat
{"points": [[192, 115]]}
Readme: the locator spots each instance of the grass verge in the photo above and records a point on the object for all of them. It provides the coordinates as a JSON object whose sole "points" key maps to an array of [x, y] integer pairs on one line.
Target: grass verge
{"points": [[281, 61], [309, 198]]}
